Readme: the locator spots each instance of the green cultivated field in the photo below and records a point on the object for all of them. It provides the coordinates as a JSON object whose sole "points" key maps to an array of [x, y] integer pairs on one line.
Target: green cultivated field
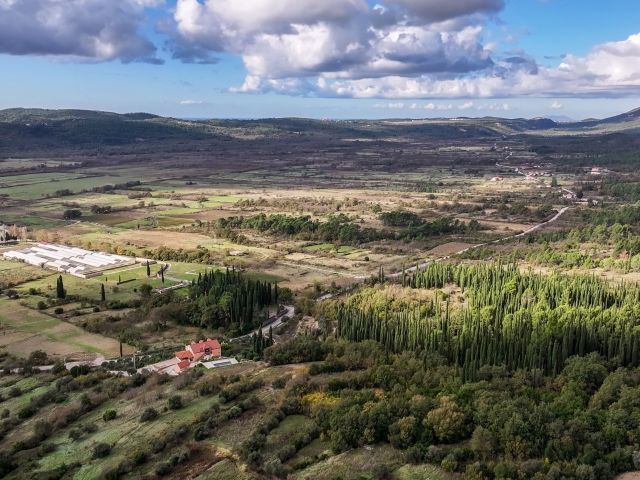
{"points": [[39, 185], [90, 288]]}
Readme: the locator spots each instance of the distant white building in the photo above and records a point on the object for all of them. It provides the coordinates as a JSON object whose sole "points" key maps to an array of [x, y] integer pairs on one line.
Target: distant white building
{"points": [[598, 171]]}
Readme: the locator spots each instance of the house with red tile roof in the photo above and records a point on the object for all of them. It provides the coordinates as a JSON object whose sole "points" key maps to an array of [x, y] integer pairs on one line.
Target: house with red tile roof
{"points": [[196, 352], [209, 348], [207, 353]]}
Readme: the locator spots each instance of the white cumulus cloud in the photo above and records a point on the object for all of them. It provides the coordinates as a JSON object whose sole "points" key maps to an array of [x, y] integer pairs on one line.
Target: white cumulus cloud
{"points": [[399, 49], [280, 40], [77, 29]]}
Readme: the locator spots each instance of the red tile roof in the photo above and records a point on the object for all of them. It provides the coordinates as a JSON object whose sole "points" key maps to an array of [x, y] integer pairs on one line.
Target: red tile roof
{"points": [[184, 364], [201, 347], [198, 356], [184, 355]]}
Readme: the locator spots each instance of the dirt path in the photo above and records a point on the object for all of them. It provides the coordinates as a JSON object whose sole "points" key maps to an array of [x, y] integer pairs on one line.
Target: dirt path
{"points": [[273, 323], [629, 476]]}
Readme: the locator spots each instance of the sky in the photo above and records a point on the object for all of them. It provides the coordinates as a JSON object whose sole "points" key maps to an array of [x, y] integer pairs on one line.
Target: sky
{"points": [[323, 58]]}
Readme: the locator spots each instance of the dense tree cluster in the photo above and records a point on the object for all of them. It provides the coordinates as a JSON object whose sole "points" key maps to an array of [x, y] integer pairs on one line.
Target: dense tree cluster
{"points": [[412, 227], [341, 229], [506, 317], [400, 218], [337, 228], [621, 187], [229, 299]]}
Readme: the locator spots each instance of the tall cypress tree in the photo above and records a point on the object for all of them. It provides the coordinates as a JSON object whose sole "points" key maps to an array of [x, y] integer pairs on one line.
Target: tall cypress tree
{"points": [[103, 295], [60, 291]]}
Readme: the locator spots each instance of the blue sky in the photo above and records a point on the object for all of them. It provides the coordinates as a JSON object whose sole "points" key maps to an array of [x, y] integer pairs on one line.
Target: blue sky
{"points": [[340, 59]]}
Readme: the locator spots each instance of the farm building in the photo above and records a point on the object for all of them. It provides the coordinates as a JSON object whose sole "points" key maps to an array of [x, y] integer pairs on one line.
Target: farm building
{"points": [[74, 261], [204, 350], [207, 353]]}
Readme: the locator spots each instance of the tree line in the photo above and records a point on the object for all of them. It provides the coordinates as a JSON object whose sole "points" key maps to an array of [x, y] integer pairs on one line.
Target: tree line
{"points": [[341, 229]]}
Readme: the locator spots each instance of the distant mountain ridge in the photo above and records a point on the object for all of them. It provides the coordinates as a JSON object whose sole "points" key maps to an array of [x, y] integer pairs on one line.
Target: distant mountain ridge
{"points": [[41, 128], [630, 116]]}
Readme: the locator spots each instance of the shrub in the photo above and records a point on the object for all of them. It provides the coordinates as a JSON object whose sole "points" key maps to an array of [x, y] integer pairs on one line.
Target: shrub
{"points": [[149, 414], [163, 469], [27, 411], [449, 464], [42, 305], [382, 472], [101, 450], [109, 415], [15, 392], [180, 457], [286, 452], [90, 427], [505, 470], [78, 370], [281, 382], [139, 457], [275, 467], [7, 464], [58, 368], [200, 433], [175, 402], [47, 448], [137, 380], [58, 310]]}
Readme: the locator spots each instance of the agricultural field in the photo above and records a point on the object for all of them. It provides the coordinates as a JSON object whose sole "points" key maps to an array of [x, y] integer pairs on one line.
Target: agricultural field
{"points": [[17, 273], [24, 330]]}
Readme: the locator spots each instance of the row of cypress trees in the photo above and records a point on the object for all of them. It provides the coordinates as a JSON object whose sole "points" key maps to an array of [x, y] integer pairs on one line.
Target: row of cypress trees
{"points": [[520, 320]]}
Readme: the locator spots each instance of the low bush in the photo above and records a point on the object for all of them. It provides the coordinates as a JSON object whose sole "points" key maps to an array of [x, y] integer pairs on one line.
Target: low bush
{"points": [[101, 450], [175, 402], [149, 414], [109, 415]]}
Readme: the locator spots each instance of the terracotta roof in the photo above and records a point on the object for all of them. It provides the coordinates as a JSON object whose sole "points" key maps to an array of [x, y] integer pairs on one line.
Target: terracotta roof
{"points": [[197, 356], [184, 355], [202, 346], [184, 364]]}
